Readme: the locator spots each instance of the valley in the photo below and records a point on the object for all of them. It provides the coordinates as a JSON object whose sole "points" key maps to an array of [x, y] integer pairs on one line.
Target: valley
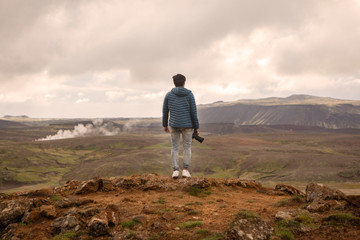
{"points": [[268, 154]]}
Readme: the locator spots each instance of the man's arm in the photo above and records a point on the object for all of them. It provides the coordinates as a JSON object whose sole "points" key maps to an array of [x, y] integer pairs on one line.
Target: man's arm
{"points": [[194, 113], [165, 114]]}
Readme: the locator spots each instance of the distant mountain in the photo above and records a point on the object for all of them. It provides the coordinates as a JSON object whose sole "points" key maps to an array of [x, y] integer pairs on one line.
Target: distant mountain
{"points": [[10, 116], [7, 124], [301, 110]]}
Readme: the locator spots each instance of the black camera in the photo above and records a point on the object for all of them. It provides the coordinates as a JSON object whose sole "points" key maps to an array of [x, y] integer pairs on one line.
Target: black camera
{"points": [[197, 137]]}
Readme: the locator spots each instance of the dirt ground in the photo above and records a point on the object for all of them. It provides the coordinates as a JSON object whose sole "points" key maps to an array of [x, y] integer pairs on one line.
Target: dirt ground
{"points": [[163, 214]]}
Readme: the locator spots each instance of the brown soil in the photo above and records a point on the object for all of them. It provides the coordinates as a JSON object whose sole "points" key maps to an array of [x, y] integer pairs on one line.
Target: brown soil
{"points": [[163, 212]]}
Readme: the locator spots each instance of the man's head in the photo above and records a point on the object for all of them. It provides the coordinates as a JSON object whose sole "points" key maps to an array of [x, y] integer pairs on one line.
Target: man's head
{"points": [[179, 80]]}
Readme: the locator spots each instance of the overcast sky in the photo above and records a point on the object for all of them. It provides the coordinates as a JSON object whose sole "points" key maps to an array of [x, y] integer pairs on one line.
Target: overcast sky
{"points": [[103, 58]]}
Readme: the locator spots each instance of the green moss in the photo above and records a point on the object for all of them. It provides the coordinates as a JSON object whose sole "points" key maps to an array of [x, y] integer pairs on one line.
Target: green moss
{"points": [[217, 236], [55, 198], [285, 229], [129, 224], [305, 219], [160, 200], [66, 236], [343, 218], [247, 214], [198, 192], [190, 224]]}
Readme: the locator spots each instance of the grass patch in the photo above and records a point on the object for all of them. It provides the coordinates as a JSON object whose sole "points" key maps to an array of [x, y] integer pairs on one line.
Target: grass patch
{"points": [[193, 203], [190, 224], [305, 219], [202, 232], [217, 236], [193, 212], [289, 201], [160, 200], [55, 198], [66, 236], [24, 224], [285, 229], [343, 219], [247, 214], [198, 192], [129, 224]]}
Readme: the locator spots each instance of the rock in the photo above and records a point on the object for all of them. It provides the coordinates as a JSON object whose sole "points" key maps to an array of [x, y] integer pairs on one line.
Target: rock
{"points": [[45, 192], [31, 216], [66, 223], [107, 185], [90, 186], [72, 184], [152, 209], [318, 207], [10, 231], [140, 218], [354, 200], [98, 226], [316, 193], [289, 190], [90, 212], [112, 215], [72, 201], [249, 229], [156, 226], [12, 211], [128, 234], [48, 211], [337, 205], [285, 215], [168, 216]]}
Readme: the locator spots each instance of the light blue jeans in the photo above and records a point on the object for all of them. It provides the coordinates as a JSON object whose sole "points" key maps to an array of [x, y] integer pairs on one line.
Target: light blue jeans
{"points": [[175, 144]]}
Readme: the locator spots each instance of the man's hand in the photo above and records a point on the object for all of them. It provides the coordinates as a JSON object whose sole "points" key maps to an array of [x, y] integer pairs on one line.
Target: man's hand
{"points": [[197, 131], [166, 129]]}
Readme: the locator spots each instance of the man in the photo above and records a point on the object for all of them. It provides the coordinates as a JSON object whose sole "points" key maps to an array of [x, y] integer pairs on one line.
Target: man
{"points": [[180, 103]]}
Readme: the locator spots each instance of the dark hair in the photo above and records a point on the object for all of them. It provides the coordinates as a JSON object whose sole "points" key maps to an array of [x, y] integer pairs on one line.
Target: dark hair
{"points": [[179, 80]]}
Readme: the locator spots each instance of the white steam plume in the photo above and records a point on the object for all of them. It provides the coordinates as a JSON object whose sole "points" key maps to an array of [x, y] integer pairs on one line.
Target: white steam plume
{"points": [[96, 128]]}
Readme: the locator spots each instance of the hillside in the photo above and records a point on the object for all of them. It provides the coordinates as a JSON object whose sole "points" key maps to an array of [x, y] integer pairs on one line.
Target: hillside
{"points": [[266, 154], [9, 124], [152, 207], [301, 110]]}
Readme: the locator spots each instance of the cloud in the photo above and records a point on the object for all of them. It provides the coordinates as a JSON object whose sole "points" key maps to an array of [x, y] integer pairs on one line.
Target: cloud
{"points": [[82, 100], [117, 52]]}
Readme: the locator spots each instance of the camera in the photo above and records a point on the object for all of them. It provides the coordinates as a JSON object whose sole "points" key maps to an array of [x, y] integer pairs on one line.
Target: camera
{"points": [[197, 137]]}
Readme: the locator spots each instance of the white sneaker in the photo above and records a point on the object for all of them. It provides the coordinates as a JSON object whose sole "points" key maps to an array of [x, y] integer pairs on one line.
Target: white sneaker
{"points": [[175, 174], [185, 173]]}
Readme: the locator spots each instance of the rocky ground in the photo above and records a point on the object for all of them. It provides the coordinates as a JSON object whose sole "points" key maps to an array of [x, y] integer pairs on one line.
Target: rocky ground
{"points": [[154, 207]]}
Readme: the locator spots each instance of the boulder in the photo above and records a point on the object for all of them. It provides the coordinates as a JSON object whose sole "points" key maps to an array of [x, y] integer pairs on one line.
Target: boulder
{"points": [[66, 223], [249, 229], [107, 185], [72, 201], [289, 190], [98, 226], [12, 211], [45, 192], [10, 232], [90, 186], [354, 200], [112, 215], [31, 216], [318, 207], [128, 234], [48, 211], [316, 192]]}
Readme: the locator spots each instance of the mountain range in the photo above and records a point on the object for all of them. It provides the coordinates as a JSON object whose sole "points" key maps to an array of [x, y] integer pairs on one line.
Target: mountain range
{"points": [[301, 110]]}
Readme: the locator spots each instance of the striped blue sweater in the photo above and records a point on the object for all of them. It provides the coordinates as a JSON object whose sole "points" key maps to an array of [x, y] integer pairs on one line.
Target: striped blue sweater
{"points": [[177, 102]]}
